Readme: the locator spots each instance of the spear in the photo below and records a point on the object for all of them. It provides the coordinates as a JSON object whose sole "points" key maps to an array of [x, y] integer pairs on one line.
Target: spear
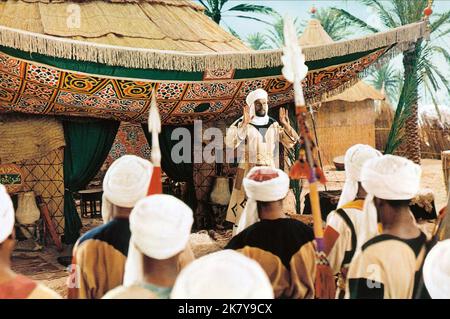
{"points": [[295, 70], [154, 127]]}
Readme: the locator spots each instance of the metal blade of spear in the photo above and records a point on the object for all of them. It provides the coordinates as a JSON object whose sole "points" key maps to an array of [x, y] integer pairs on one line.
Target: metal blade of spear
{"points": [[295, 70]]}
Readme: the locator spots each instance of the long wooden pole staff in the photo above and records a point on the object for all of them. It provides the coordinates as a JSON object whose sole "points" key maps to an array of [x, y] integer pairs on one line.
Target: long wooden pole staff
{"points": [[295, 70], [154, 127]]}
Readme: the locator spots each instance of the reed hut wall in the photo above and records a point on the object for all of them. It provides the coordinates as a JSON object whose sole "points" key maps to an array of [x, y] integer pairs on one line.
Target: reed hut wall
{"points": [[434, 133], [341, 124]]}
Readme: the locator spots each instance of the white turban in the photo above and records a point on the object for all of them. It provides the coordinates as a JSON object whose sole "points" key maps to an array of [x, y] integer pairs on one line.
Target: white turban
{"points": [[126, 181], [160, 227], [355, 157], [273, 187], [387, 177], [436, 270], [6, 214], [391, 177], [258, 94], [226, 274]]}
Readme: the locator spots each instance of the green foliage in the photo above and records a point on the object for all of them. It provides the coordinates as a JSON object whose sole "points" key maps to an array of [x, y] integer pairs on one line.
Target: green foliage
{"points": [[336, 27], [215, 9], [275, 33], [395, 13], [388, 79], [257, 41]]}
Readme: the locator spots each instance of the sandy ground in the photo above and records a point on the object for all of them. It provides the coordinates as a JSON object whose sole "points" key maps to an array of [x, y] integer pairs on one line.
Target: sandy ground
{"points": [[43, 266]]}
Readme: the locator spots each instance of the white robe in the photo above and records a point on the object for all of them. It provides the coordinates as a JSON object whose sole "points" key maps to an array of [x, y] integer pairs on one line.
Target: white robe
{"points": [[258, 150]]}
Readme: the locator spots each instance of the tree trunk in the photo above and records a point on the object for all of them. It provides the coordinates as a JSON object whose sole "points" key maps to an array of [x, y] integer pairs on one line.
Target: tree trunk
{"points": [[412, 136], [217, 16]]}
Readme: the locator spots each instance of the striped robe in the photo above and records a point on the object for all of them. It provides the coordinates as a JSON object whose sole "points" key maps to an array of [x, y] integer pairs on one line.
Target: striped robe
{"points": [[284, 248], [264, 141], [387, 267], [99, 259]]}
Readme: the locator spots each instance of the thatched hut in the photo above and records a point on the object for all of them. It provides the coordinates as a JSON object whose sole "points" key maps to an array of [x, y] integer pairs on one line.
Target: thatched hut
{"points": [[344, 119], [347, 119]]}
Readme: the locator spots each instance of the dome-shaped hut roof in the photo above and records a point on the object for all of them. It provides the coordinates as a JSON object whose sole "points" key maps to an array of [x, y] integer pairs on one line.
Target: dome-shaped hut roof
{"points": [[178, 25]]}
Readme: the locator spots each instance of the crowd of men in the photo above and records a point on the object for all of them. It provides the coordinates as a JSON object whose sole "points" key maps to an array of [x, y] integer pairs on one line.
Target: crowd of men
{"points": [[374, 246]]}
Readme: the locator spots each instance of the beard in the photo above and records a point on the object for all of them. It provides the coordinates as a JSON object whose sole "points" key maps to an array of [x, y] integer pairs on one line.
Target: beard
{"points": [[260, 112]]}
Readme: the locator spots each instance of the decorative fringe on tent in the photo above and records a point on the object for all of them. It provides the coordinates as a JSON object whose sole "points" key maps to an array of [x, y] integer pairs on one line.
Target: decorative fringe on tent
{"points": [[397, 49], [195, 62]]}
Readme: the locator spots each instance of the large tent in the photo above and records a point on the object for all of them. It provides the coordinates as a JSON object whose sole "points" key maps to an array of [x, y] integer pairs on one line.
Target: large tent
{"points": [[103, 60]]}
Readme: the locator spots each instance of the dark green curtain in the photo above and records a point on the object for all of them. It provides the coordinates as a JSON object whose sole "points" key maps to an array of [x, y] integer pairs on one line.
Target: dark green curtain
{"points": [[87, 146], [181, 172]]}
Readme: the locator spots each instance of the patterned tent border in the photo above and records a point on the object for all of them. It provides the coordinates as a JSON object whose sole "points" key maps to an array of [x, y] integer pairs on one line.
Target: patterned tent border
{"points": [[30, 87]]}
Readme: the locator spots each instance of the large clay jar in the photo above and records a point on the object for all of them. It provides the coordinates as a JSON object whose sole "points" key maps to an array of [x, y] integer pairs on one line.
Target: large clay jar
{"points": [[221, 191], [27, 212]]}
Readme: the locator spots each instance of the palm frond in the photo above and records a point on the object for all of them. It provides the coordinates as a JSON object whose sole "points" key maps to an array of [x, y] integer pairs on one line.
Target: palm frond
{"points": [[388, 78], [443, 19], [443, 33], [208, 9], [336, 27], [221, 4], [351, 19], [276, 35], [386, 17], [252, 18], [257, 41], [233, 32], [442, 51], [253, 8]]}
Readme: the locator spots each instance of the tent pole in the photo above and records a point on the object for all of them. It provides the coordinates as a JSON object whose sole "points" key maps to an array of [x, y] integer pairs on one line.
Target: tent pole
{"points": [[311, 111]]}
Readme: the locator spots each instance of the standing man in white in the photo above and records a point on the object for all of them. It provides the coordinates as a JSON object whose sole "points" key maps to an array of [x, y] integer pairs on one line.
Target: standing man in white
{"points": [[259, 134]]}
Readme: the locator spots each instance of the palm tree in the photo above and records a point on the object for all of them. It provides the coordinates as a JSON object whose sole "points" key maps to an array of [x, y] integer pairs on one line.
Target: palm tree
{"points": [[419, 70], [336, 27], [275, 33], [257, 41], [387, 79], [215, 9]]}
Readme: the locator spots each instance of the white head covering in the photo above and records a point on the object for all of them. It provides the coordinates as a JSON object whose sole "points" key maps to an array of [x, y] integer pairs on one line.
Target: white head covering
{"points": [[160, 226], [6, 214], [126, 181], [257, 94], [355, 157], [226, 274], [391, 177], [275, 186], [388, 177], [436, 270]]}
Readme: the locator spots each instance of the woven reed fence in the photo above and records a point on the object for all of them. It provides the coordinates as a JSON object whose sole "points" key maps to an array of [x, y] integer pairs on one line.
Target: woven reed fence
{"points": [[434, 132]]}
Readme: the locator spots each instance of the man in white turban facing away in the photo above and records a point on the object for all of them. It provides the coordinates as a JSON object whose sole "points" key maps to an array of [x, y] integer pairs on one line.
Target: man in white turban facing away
{"points": [[349, 227], [282, 246], [258, 136], [223, 275], [160, 228], [12, 285], [99, 255], [389, 265], [436, 270]]}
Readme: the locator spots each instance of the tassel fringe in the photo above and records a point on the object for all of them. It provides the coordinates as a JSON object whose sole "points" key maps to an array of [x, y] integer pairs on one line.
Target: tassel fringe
{"points": [[196, 62]]}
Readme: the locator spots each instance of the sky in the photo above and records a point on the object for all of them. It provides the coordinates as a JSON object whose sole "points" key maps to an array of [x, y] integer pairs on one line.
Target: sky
{"points": [[301, 9]]}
